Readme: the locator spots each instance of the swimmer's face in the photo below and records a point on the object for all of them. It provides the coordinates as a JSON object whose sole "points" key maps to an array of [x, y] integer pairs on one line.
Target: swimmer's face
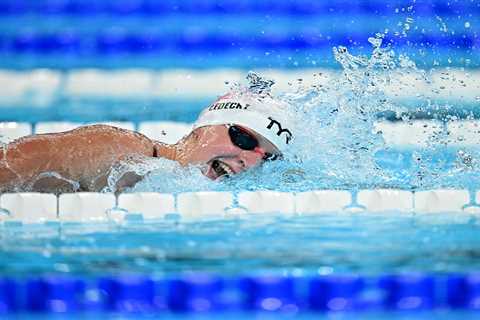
{"points": [[218, 156]]}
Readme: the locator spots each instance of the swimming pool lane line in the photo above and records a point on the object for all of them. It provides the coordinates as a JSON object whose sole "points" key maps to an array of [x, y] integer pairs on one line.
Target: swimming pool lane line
{"points": [[90, 207]]}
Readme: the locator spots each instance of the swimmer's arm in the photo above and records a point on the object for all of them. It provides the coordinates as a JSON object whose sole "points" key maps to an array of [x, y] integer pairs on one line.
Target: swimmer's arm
{"points": [[84, 155]]}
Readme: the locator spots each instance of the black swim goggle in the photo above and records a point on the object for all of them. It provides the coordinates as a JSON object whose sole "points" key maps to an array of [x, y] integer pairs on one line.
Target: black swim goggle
{"points": [[246, 141]]}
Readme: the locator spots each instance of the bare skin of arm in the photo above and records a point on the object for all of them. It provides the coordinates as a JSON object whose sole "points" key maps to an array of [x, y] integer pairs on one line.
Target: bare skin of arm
{"points": [[77, 160], [83, 159]]}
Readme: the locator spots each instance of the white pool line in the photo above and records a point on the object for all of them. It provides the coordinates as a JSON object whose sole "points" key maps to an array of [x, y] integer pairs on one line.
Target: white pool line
{"points": [[40, 87], [80, 207]]}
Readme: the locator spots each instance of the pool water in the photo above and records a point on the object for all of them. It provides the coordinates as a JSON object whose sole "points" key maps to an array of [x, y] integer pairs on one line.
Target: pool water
{"points": [[336, 143], [336, 146], [359, 243]]}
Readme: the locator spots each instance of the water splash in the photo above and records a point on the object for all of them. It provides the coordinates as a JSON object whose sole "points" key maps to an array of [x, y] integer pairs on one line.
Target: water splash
{"points": [[336, 142], [258, 84], [160, 175]]}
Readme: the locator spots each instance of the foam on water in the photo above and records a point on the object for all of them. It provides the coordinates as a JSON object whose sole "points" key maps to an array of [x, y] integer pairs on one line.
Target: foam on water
{"points": [[335, 143]]}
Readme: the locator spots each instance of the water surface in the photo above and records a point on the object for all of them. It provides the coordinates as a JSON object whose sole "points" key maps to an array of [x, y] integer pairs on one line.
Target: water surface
{"points": [[362, 243]]}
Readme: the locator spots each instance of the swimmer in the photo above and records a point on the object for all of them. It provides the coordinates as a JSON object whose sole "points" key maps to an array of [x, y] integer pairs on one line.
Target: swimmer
{"points": [[235, 133]]}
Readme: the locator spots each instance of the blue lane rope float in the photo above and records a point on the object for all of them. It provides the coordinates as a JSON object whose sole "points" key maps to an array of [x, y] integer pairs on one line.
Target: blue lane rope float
{"points": [[200, 293], [152, 7], [144, 43]]}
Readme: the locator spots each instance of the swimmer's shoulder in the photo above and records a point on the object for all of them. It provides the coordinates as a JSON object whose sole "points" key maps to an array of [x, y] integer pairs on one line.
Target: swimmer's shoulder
{"points": [[159, 149], [104, 129], [93, 129], [113, 133], [90, 136]]}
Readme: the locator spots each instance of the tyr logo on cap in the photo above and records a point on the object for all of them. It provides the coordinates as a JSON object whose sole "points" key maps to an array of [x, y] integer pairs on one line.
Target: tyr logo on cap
{"points": [[280, 129]]}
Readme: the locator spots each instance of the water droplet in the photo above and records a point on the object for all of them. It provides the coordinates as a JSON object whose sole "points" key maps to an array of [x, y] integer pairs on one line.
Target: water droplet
{"points": [[376, 42], [467, 24], [259, 84]]}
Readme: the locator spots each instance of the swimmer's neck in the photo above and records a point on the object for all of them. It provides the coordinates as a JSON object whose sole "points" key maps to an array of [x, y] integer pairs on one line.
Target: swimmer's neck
{"points": [[163, 150], [178, 152]]}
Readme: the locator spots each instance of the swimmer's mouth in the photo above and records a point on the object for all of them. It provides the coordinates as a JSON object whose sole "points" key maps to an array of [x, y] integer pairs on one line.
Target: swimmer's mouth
{"points": [[221, 169]]}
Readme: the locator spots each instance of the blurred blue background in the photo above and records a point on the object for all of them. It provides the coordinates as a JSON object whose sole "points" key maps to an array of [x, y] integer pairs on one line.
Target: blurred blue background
{"points": [[147, 60], [66, 34]]}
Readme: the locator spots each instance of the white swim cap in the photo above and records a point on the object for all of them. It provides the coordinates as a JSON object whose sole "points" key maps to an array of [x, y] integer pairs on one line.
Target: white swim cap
{"points": [[262, 114]]}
